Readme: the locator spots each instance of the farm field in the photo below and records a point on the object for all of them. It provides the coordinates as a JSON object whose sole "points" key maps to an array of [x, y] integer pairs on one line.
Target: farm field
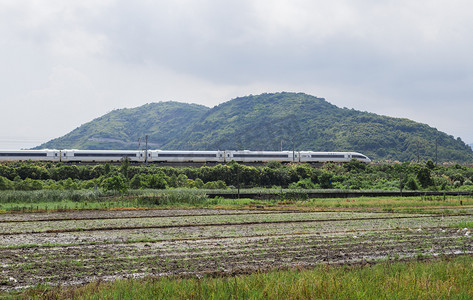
{"points": [[81, 246]]}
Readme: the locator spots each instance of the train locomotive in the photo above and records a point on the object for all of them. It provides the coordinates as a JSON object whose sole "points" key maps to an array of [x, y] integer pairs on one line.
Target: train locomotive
{"points": [[179, 156]]}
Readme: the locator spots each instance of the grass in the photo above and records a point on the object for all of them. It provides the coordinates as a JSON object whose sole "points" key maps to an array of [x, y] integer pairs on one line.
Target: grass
{"points": [[49, 196], [21, 201], [386, 202], [463, 224], [56, 200], [434, 279]]}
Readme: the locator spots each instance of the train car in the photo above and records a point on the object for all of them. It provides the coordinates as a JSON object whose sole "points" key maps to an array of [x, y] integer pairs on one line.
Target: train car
{"points": [[260, 156], [33, 155], [157, 156], [320, 157], [87, 156], [360, 157]]}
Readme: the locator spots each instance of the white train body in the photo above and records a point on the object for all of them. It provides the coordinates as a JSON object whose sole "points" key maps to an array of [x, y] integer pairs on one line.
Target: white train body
{"points": [[308, 156], [34, 155], [186, 156], [178, 156], [101, 155], [259, 156]]}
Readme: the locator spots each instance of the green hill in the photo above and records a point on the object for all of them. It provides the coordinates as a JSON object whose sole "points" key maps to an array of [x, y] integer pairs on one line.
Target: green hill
{"points": [[163, 122], [267, 122]]}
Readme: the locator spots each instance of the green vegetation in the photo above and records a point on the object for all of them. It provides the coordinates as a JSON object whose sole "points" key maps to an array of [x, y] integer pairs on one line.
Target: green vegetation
{"points": [[120, 129], [57, 200], [434, 279], [390, 204], [464, 224], [28, 186], [293, 121], [29, 176], [97, 199]]}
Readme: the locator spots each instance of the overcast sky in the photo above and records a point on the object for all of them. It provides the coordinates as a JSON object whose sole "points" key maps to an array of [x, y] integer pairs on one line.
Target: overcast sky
{"points": [[64, 63]]}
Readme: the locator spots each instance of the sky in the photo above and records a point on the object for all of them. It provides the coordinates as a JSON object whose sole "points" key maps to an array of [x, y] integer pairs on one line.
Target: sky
{"points": [[64, 63]]}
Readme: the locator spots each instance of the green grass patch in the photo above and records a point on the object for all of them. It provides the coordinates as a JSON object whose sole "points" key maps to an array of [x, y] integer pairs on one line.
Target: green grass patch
{"points": [[463, 224], [435, 279], [46, 200], [386, 202], [43, 200], [49, 196]]}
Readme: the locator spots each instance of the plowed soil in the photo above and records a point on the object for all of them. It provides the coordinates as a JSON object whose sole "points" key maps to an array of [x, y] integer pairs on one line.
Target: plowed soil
{"points": [[77, 247]]}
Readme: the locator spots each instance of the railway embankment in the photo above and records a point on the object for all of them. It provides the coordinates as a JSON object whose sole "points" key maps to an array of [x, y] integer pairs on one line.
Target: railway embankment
{"points": [[234, 194]]}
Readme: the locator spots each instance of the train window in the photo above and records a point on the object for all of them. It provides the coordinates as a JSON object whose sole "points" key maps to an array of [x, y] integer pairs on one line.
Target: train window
{"points": [[94, 154], [260, 155], [328, 156], [187, 155], [22, 154]]}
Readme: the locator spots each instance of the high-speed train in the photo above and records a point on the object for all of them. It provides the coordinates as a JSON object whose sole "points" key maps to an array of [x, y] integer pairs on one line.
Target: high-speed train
{"points": [[165, 156]]}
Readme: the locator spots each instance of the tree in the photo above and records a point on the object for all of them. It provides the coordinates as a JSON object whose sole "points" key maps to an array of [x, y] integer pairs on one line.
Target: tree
{"points": [[115, 183], [423, 175], [412, 184], [182, 181], [325, 180], [136, 182], [124, 167], [198, 183], [5, 184], [355, 165], [156, 181], [430, 164]]}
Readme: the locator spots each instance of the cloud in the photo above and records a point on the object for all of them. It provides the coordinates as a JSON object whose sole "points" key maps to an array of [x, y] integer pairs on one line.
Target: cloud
{"points": [[401, 58]]}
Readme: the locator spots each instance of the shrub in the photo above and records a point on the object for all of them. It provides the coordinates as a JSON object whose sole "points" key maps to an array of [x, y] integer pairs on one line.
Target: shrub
{"points": [[137, 182], [305, 183], [215, 185], [412, 184], [182, 181], [156, 181], [27, 184], [5, 184], [198, 183], [115, 183], [174, 198]]}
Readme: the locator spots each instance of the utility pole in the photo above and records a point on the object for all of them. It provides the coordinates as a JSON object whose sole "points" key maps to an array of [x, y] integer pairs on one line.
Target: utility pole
{"points": [[146, 149], [418, 151], [400, 183], [238, 176], [293, 151], [436, 153]]}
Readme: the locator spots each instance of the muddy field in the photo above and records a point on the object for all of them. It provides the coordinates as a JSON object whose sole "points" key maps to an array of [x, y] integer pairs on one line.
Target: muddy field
{"points": [[82, 246]]}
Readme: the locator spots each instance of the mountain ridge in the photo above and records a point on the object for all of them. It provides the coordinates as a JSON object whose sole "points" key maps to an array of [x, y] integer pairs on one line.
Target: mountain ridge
{"points": [[269, 121]]}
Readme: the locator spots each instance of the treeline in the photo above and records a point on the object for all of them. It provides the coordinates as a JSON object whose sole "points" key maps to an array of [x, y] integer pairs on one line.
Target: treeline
{"points": [[352, 175]]}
